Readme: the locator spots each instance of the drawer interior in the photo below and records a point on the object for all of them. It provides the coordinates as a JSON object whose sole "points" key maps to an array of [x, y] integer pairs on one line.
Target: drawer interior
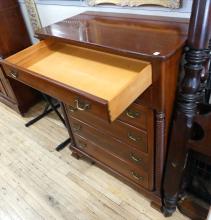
{"points": [[117, 80]]}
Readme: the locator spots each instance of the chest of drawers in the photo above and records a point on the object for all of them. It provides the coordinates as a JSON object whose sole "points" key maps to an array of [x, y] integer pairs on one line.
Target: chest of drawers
{"points": [[128, 146], [116, 76]]}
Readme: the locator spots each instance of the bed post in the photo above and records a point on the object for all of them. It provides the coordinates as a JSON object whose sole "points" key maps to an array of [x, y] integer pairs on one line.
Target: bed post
{"points": [[190, 92]]}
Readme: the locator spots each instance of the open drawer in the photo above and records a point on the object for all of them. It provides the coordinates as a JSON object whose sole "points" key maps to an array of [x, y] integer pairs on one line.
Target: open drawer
{"points": [[89, 80]]}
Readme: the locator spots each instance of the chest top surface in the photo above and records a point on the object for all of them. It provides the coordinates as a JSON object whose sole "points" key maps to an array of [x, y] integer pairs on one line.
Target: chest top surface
{"points": [[136, 35]]}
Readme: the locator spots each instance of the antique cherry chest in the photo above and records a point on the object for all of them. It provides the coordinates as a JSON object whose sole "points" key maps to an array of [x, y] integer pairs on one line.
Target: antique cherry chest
{"points": [[117, 77]]}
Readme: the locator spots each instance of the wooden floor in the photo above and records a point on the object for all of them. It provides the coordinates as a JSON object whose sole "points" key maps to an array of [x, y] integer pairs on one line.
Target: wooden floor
{"points": [[36, 182]]}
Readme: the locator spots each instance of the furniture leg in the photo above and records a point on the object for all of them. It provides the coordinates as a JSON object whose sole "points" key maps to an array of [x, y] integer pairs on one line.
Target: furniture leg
{"points": [[63, 145], [67, 124], [50, 106], [45, 112], [76, 154], [54, 108]]}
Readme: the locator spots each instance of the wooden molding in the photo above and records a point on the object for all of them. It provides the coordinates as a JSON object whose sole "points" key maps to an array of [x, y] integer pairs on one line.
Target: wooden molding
{"points": [[33, 14], [132, 3]]}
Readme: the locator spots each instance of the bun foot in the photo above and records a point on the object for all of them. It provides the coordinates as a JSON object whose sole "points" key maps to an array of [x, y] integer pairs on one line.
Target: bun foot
{"points": [[77, 155], [169, 206], [167, 212]]}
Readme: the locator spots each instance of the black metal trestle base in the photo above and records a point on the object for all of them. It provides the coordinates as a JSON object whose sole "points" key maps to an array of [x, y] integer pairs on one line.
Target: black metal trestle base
{"points": [[63, 145], [46, 111], [50, 106]]}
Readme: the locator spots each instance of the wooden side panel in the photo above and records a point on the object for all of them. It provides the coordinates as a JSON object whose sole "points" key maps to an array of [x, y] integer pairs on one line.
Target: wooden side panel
{"points": [[14, 36]]}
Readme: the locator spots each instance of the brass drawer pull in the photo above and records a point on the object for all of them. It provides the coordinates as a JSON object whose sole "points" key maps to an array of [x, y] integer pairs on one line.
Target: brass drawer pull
{"points": [[14, 74], [132, 114], [135, 158], [137, 176], [72, 109], [82, 144], [76, 127], [81, 105], [135, 139]]}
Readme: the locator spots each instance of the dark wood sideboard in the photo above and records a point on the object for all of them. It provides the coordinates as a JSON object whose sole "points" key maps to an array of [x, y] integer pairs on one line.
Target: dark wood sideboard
{"points": [[117, 77], [14, 37]]}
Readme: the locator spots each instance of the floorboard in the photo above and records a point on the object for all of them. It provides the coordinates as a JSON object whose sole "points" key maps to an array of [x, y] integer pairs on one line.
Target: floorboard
{"points": [[36, 182]]}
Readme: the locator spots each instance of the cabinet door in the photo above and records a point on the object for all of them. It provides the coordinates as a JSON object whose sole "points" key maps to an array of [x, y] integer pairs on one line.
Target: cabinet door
{"points": [[2, 87], [5, 87]]}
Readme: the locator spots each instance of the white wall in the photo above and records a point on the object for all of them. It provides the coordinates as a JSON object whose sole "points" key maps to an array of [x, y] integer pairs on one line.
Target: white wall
{"points": [[51, 11]]}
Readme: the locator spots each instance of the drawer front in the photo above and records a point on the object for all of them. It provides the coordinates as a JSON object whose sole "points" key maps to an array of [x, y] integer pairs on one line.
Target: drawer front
{"points": [[136, 115], [98, 79], [118, 129], [119, 149], [136, 175], [80, 102]]}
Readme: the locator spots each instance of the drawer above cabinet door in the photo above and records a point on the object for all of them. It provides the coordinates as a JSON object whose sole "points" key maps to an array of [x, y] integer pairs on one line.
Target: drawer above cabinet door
{"points": [[89, 80]]}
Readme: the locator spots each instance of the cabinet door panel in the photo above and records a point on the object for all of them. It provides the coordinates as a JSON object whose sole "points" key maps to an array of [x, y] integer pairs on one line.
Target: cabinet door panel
{"points": [[6, 85]]}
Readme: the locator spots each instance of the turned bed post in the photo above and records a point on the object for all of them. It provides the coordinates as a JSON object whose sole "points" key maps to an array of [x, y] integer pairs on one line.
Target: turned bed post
{"points": [[190, 92], [208, 85]]}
